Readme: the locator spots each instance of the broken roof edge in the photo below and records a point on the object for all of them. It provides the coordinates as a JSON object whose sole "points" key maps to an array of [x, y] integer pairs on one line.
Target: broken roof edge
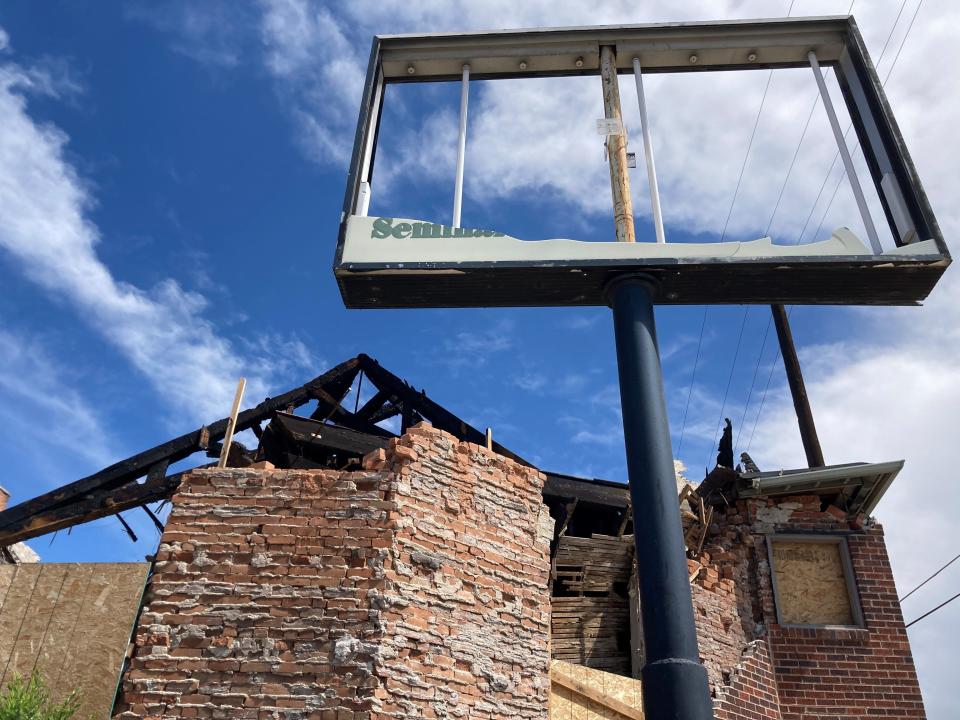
{"points": [[868, 482], [864, 484]]}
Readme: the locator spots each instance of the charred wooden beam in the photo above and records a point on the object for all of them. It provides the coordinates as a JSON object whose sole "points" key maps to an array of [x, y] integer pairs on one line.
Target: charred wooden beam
{"points": [[388, 411], [153, 518], [437, 415], [19, 517], [298, 436], [599, 493], [371, 406], [126, 526], [101, 503]]}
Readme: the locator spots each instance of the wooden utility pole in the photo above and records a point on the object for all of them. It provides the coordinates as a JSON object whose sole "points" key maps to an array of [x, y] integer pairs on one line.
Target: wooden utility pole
{"points": [[617, 148], [801, 403]]}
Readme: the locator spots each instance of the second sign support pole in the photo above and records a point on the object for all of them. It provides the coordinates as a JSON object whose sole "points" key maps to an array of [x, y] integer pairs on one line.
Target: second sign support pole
{"points": [[675, 683]]}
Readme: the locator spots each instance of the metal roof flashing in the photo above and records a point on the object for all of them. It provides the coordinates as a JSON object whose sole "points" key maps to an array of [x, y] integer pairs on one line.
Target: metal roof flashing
{"points": [[863, 484]]}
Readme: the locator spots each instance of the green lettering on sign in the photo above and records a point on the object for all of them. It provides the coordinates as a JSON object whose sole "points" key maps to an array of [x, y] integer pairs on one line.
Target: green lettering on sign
{"points": [[384, 228]]}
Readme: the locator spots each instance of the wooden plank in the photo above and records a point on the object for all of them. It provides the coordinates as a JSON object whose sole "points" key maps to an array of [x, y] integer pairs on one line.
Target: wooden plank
{"points": [[616, 145], [598, 696], [231, 423], [16, 609], [95, 652]]}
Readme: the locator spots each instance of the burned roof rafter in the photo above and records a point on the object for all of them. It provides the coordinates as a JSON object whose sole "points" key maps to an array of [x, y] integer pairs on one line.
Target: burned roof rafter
{"points": [[120, 486]]}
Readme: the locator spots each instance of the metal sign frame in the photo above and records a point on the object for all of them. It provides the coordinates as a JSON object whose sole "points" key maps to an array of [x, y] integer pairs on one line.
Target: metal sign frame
{"points": [[901, 277]]}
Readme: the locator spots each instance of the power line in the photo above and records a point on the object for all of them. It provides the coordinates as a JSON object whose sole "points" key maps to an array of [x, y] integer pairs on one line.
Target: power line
{"points": [[783, 187], [723, 405], [683, 427], [753, 381], [883, 84], [723, 234], [929, 578], [893, 64], [931, 612]]}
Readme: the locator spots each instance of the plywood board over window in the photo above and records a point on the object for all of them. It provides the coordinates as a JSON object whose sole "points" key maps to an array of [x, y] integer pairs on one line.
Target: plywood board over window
{"points": [[813, 582]]}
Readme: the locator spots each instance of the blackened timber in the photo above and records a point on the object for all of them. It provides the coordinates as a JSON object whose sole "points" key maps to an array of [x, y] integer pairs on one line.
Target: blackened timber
{"points": [[438, 416], [372, 405], [97, 505], [126, 526], [154, 518], [289, 433], [136, 466], [599, 493], [385, 413]]}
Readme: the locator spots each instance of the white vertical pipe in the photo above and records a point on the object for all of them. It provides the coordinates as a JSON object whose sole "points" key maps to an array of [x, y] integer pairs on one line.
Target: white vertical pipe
{"points": [[648, 153], [461, 145], [363, 201], [845, 154]]}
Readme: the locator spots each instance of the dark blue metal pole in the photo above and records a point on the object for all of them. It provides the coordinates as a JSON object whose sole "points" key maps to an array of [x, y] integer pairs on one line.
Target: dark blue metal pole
{"points": [[675, 685]]}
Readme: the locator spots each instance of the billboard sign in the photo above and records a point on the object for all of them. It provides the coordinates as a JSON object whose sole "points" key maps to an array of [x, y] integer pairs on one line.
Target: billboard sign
{"points": [[408, 262]]}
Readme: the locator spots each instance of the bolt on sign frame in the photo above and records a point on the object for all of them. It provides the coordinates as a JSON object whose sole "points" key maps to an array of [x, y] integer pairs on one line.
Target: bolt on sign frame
{"points": [[407, 264]]}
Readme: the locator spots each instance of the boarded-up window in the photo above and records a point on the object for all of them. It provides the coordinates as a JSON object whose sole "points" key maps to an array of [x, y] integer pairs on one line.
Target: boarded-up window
{"points": [[811, 582]]}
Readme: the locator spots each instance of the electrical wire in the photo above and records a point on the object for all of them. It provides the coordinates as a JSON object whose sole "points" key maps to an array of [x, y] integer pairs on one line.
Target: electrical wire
{"points": [[693, 377], [823, 185], [726, 392], [929, 578], [931, 612], [843, 173], [723, 235]]}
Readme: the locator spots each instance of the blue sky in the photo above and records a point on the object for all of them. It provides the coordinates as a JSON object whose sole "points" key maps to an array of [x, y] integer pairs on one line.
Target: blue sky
{"points": [[171, 177]]}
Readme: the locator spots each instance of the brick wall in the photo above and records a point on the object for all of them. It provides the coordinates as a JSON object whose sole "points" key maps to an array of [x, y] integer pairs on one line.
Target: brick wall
{"points": [[750, 691], [836, 673], [856, 673], [416, 587], [469, 633]]}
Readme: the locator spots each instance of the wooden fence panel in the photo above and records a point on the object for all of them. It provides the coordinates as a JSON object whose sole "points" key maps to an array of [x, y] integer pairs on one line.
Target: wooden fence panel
{"points": [[72, 623]]}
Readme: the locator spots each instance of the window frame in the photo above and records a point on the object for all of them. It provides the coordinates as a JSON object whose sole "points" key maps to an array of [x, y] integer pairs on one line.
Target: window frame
{"points": [[853, 591]]}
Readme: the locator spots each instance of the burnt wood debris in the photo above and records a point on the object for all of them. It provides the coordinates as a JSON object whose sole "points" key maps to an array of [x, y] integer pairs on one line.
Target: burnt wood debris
{"points": [[328, 434]]}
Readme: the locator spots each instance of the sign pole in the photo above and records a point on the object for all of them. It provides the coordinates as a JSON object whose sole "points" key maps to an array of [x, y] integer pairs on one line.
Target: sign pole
{"points": [[675, 683]]}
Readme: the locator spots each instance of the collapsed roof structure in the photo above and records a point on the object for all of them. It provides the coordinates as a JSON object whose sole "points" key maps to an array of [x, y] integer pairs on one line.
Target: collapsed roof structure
{"points": [[588, 605], [330, 435]]}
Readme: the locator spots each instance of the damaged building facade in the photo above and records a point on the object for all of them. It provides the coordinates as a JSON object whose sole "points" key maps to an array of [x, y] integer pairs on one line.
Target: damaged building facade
{"points": [[340, 571]]}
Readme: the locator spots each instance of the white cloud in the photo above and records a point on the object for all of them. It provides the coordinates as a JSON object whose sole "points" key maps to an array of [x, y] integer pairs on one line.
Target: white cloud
{"points": [[45, 225], [530, 381], [581, 321], [319, 74], [213, 33], [4, 40], [38, 401], [535, 137], [473, 349]]}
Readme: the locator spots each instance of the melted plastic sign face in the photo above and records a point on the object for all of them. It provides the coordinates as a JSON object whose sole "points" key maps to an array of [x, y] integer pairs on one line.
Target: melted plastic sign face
{"points": [[401, 243]]}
